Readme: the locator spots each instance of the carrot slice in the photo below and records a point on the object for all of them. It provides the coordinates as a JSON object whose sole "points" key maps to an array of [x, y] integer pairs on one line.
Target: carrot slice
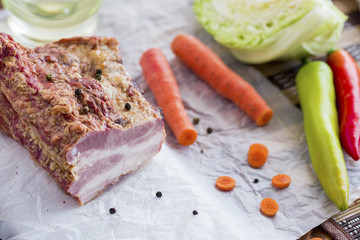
{"points": [[269, 207], [281, 181], [257, 155], [162, 82], [209, 67], [317, 238], [225, 183]]}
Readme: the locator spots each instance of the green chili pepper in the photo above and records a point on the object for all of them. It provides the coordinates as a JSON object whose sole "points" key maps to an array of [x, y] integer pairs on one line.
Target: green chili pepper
{"points": [[316, 92]]}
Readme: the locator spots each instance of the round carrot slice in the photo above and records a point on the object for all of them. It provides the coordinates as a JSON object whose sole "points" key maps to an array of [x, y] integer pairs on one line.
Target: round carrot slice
{"points": [[269, 207], [257, 155], [225, 183], [281, 181], [317, 238]]}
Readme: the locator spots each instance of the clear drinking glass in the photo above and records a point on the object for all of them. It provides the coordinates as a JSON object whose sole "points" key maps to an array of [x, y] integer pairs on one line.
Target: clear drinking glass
{"points": [[36, 22]]}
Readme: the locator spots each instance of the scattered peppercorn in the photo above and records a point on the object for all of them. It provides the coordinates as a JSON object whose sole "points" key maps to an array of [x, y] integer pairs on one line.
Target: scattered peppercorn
{"points": [[98, 71], [202, 151], [209, 130], [256, 180], [159, 194], [77, 92], [195, 212], [98, 77], [48, 77], [64, 202], [112, 210], [196, 121], [127, 106], [85, 110]]}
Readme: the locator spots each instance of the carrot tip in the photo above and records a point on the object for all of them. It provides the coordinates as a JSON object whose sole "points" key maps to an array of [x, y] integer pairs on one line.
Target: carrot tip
{"points": [[265, 118], [187, 137]]}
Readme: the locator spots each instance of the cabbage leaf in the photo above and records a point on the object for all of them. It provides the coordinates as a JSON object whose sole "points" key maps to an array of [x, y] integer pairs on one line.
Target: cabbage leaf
{"points": [[259, 31]]}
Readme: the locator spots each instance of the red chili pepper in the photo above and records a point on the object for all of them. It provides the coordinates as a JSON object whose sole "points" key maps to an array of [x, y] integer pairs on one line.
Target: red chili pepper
{"points": [[347, 80]]}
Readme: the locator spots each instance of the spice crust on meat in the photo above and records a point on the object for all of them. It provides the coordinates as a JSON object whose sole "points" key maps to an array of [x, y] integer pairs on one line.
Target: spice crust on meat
{"points": [[61, 107]]}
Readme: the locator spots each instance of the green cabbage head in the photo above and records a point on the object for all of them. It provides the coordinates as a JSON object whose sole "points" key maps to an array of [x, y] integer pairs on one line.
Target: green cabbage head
{"points": [[259, 31]]}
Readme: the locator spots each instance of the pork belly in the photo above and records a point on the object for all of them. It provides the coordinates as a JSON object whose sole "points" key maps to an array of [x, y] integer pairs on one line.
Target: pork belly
{"points": [[72, 104]]}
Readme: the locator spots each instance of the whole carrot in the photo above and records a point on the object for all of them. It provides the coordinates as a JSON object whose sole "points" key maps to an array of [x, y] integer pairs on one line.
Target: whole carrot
{"points": [[347, 80], [162, 83], [209, 67]]}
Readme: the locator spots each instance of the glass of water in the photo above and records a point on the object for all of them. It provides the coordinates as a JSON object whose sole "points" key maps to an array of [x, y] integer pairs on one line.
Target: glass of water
{"points": [[36, 22]]}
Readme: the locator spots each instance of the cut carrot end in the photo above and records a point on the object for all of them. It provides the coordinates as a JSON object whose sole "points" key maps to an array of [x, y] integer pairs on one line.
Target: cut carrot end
{"points": [[187, 137], [281, 181], [269, 207], [264, 118], [225, 183]]}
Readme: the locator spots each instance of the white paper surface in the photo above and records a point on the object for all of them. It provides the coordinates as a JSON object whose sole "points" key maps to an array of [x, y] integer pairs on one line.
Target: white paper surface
{"points": [[32, 206]]}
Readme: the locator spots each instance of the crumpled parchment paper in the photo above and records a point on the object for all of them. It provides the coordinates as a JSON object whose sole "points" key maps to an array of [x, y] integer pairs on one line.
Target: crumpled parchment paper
{"points": [[32, 206]]}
